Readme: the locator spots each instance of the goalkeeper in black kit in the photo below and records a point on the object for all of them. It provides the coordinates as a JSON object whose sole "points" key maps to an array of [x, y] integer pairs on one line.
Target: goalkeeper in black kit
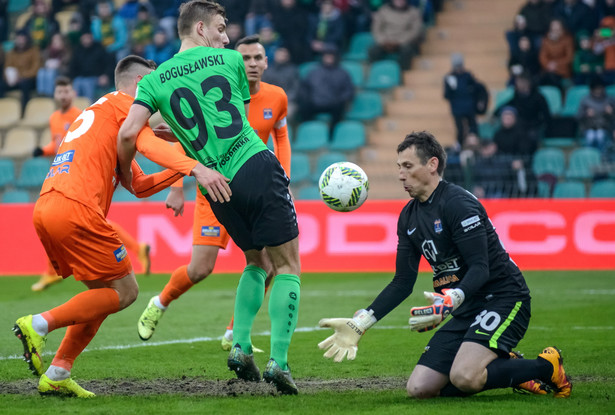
{"points": [[475, 281]]}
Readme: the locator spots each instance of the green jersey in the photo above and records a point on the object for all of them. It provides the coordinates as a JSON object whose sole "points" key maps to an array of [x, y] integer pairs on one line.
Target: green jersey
{"points": [[201, 93]]}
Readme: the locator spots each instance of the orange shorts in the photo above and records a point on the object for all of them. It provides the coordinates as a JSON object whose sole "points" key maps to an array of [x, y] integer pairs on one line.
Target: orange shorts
{"points": [[206, 230], [78, 240]]}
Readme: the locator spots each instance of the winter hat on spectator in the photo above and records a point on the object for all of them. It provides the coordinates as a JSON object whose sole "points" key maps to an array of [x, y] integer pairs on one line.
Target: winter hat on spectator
{"points": [[457, 60]]}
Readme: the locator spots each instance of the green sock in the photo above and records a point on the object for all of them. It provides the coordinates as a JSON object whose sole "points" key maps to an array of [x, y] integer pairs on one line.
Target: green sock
{"points": [[248, 300], [283, 312]]}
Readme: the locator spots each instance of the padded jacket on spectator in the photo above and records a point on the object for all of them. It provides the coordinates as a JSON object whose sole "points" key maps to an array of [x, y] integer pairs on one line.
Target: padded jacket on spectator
{"points": [[561, 51], [390, 25]]}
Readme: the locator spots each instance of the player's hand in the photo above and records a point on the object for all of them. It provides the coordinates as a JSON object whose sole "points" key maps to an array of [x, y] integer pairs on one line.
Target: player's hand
{"points": [[37, 152], [348, 332], [216, 184], [175, 201], [163, 131], [427, 318]]}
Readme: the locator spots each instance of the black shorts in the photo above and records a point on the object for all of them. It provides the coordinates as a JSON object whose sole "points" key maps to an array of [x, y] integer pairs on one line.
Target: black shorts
{"points": [[261, 212], [498, 325]]}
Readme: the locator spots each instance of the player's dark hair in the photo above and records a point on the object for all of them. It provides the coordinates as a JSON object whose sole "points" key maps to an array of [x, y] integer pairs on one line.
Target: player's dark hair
{"points": [[196, 11], [248, 40], [127, 65], [426, 147], [63, 81]]}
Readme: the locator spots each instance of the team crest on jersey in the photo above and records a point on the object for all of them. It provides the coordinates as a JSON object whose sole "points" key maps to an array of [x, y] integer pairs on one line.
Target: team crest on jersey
{"points": [[213, 231], [267, 113], [437, 226], [120, 253]]}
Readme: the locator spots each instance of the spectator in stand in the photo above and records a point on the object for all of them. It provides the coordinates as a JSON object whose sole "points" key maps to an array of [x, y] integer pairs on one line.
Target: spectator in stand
{"points": [[525, 60], [397, 28], [596, 115], [586, 63], [605, 8], [511, 138], [110, 30], [56, 61], [494, 174], [459, 88], [537, 16], [326, 28], [75, 29], [160, 49], [576, 16], [532, 108], [41, 25], [90, 67], [556, 55], [519, 30], [4, 20], [143, 31], [21, 65], [604, 45], [327, 88], [270, 40], [236, 10], [291, 23], [258, 16], [285, 74]]}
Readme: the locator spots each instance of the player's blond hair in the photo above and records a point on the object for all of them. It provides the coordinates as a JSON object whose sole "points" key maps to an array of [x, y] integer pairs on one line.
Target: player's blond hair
{"points": [[196, 11]]}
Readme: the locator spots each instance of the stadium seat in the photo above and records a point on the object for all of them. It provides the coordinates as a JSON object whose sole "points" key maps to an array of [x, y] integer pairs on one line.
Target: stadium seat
{"points": [[7, 172], [190, 192], [44, 137], [348, 135], [311, 192], [305, 68], [502, 97], [161, 196], [311, 136], [148, 166], [569, 189], [10, 112], [299, 167], [554, 98], [574, 95], [582, 162], [610, 90], [603, 188], [63, 18], [359, 46], [560, 142], [82, 102], [16, 196], [37, 113], [324, 161], [549, 161], [19, 142], [366, 106], [383, 75], [486, 130], [18, 6], [356, 72], [33, 173]]}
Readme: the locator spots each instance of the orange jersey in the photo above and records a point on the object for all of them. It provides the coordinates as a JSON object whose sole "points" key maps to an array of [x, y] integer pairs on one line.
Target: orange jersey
{"points": [[59, 122]]}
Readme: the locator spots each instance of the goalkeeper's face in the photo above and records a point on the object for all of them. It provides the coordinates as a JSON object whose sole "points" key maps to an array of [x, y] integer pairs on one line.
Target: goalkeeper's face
{"points": [[418, 179]]}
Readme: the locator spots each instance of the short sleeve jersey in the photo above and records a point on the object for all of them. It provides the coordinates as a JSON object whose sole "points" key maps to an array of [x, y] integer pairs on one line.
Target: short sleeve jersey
{"points": [[201, 93]]}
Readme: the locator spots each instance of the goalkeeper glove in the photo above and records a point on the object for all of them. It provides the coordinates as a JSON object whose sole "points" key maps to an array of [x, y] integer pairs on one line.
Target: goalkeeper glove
{"points": [[37, 152], [429, 317], [348, 332]]}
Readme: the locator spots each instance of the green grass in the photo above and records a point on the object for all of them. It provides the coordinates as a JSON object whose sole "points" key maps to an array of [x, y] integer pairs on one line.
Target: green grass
{"points": [[572, 310]]}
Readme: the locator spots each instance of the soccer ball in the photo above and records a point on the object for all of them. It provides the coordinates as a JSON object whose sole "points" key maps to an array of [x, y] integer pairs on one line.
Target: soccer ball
{"points": [[343, 186]]}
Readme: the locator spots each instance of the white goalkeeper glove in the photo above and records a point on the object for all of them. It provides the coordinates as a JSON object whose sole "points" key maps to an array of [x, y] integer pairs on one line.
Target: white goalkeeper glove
{"points": [[348, 332], [427, 318]]}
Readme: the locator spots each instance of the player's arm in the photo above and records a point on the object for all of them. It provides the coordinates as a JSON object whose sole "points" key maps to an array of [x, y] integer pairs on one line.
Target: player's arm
{"points": [[175, 199], [161, 153], [146, 185], [127, 141], [281, 144]]}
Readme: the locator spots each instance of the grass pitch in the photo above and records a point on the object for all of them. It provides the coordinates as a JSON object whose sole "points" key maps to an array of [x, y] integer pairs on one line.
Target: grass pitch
{"points": [[183, 369]]}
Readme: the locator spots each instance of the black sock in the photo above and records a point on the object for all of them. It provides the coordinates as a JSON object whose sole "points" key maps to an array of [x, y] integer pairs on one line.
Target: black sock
{"points": [[504, 373], [450, 391]]}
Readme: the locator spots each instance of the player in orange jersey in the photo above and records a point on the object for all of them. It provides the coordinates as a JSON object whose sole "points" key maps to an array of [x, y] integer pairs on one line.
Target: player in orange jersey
{"points": [[268, 108], [59, 122], [70, 220]]}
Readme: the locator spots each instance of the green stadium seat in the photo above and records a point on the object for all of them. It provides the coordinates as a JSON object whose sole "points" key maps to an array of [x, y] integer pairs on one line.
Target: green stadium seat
{"points": [[581, 163], [311, 192], [544, 189], [16, 196], [348, 135], [190, 192], [148, 166], [569, 190], [299, 167], [574, 95], [554, 98], [305, 68], [549, 161], [311, 136], [324, 161], [33, 173], [560, 142], [366, 106], [356, 72], [18, 6], [359, 46], [7, 172], [383, 75], [161, 196], [486, 130], [503, 96], [603, 188], [610, 90]]}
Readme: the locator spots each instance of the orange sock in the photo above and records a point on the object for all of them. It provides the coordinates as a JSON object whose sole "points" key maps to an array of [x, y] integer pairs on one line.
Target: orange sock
{"points": [[177, 285], [129, 242], [230, 325], [76, 339], [83, 308]]}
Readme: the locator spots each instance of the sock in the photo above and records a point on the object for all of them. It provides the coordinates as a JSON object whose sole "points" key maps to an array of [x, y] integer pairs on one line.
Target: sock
{"points": [[230, 325], [84, 307], [159, 304], [129, 242], [228, 335], [39, 324], [248, 300], [177, 285], [283, 312], [505, 373], [450, 391], [57, 373], [77, 337]]}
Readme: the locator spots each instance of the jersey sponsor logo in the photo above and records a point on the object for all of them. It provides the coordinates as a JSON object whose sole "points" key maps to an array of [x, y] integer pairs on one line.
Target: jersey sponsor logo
{"points": [[410, 232], [429, 250], [437, 226], [212, 231], [120, 253], [446, 280], [267, 113], [469, 228], [470, 221], [192, 67], [62, 158], [238, 144]]}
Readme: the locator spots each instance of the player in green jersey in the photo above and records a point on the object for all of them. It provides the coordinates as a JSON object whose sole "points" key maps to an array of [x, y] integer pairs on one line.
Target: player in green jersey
{"points": [[203, 94]]}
